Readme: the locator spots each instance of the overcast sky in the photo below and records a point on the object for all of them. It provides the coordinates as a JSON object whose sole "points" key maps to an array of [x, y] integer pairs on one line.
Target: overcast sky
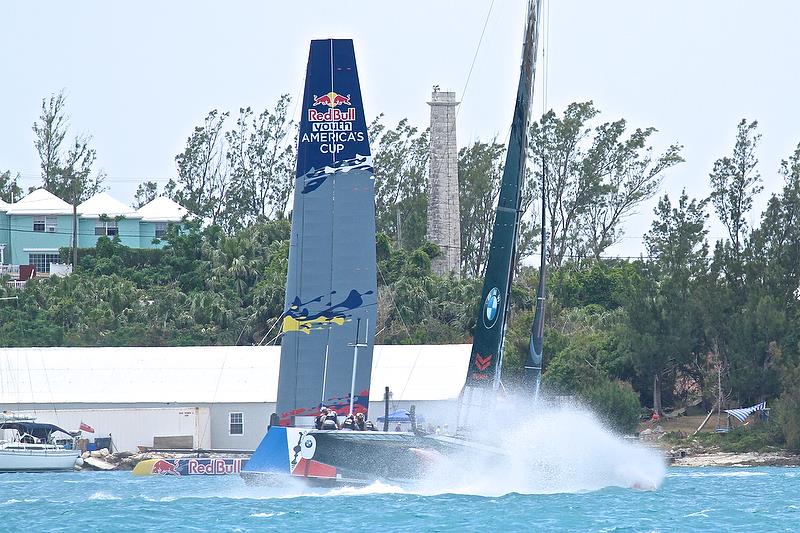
{"points": [[140, 75]]}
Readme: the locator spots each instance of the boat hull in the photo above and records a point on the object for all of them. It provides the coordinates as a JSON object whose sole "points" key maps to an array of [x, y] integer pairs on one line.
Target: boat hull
{"points": [[37, 460], [324, 458]]}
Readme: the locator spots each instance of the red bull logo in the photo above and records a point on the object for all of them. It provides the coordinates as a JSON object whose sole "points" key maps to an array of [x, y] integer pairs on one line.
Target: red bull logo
{"points": [[331, 99], [165, 468], [331, 117], [214, 467]]}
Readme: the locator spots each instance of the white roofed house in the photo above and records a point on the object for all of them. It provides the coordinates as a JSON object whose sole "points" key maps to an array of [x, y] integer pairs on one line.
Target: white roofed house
{"points": [[217, 397], [4, 235], [103, 215], [38, 226], [34, 229], [156, 216]]}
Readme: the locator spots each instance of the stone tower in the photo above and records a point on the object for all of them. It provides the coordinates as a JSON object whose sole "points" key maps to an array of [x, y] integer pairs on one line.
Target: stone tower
{"points": [[444, 223]]}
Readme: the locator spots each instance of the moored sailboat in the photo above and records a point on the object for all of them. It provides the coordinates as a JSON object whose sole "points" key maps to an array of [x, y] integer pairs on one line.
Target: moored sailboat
{"points": [[32, 447]]}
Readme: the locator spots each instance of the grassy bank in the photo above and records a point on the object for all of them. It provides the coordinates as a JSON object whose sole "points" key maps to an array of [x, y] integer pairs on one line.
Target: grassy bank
{"points": [[763, 437]]}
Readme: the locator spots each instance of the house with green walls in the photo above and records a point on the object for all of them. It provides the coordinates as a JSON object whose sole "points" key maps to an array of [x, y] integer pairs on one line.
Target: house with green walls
{"points": [[155, 217], [104, 216], [33, 229]]}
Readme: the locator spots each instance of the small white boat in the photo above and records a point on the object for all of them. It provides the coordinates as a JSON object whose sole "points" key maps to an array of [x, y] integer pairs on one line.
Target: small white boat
{"points": [[32, 447]]}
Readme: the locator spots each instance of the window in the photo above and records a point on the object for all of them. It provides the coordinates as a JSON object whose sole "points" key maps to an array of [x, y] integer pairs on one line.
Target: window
{"points": [[106, 227], [45, 224], [161, 229], [42, 260], [236, 422]]}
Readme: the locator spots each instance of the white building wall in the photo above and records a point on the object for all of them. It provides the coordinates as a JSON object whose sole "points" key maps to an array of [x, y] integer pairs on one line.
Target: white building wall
{"points": [[255, 417], [132, 392], [131, 427]]}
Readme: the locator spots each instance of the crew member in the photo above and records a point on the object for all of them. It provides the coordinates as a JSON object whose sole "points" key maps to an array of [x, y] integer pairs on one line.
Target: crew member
{"points": [[331, 420], [369, 426], [360, 422], [321, 417], [349, 423]]}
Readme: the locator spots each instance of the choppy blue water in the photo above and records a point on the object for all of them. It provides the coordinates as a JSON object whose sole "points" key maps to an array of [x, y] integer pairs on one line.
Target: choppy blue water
{"points": [[708, 499]]}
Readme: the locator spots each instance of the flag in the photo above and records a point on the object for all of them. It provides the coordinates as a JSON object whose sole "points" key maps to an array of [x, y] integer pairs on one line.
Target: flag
{"points": [[86, 427]]}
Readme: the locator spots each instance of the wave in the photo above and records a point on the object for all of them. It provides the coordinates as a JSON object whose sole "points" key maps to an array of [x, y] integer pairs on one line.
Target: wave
{"points": [[267, 515], [702, 513], [374, 488], [737, 473], [100, 495]]}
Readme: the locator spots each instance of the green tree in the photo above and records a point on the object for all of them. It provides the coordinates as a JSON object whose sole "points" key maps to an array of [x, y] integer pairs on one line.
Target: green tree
{"points": [[66, 175], [50, 131], [203, 177], [146, 192], [629, 174], [665, 330], [401, 170], [595, 178], [480, 170], [10, 190], [734, 183], [261, 158]]}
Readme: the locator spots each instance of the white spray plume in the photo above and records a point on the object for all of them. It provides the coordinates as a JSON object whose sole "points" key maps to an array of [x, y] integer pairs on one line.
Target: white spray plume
{"points": [[546, 448]]}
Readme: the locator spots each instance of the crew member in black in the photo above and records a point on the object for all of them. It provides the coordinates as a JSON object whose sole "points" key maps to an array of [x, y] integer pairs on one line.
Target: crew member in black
{"points": [[349, 423], [320, 417]]}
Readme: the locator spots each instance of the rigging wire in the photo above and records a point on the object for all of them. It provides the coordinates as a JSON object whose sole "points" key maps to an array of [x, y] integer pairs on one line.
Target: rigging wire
{"points": [[408, 332], [475, 57]]}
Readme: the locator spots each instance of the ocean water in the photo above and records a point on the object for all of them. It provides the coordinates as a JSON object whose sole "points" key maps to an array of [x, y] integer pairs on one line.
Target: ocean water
{"points": [[703, 499]]}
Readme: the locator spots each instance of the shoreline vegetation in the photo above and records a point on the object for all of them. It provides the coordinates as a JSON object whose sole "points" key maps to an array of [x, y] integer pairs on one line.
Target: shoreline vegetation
{"points": [[758, 443], [690, 322]]}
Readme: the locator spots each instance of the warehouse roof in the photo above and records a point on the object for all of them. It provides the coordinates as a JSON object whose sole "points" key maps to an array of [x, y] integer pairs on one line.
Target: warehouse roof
{"points": [[207, 374]]}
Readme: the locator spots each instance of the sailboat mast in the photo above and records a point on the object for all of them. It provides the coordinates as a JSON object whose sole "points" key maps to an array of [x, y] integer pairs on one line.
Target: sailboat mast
{"points": [[532, 374], [356, 345], [487, 347]]}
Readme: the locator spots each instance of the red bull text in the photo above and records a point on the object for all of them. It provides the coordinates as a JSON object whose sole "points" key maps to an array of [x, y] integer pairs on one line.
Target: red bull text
{"points": [[333, 127]]}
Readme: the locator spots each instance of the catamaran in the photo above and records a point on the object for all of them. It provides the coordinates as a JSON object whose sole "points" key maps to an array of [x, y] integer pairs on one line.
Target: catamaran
{"points": [[331, 290]]}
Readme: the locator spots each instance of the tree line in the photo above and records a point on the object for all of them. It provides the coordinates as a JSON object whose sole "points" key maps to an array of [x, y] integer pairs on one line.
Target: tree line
{"points": [[692, 319]]}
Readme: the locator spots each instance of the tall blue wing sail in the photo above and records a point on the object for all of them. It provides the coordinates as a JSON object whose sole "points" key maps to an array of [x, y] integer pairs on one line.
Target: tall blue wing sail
{"points": [[487, 347], [331, 287]]}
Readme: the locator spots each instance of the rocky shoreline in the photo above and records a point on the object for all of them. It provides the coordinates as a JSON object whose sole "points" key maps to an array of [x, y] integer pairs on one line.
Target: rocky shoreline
{"points": [[688, 452], [103, 460], [688, 458]]}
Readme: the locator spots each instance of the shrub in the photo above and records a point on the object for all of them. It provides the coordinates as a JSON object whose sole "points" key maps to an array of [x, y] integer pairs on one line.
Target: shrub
{"points": [[616, 403], [787, 415]]}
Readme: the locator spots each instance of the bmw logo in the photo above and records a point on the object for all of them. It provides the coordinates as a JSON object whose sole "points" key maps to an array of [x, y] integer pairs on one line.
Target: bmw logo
{"points": [[491, 308], [309, 447]]}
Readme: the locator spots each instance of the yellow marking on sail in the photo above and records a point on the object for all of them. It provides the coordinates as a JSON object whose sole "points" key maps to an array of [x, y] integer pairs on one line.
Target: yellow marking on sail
{"points": [[305, 326]]}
